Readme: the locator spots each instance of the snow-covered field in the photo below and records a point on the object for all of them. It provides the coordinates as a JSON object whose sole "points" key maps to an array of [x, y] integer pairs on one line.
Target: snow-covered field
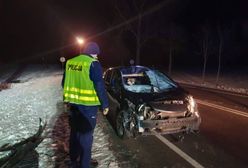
{"points": [[39, 95]]}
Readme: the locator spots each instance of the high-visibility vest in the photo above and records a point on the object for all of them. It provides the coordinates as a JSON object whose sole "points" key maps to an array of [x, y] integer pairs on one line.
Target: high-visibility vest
{"points": [[78, 87]]}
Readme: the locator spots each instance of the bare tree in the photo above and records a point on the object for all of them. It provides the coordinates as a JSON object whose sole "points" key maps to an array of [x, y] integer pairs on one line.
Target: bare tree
{"points": [[171, 47], [136, 28], [170, 60], [138, 39], [219, 52], [133, 12], [205, 45]]}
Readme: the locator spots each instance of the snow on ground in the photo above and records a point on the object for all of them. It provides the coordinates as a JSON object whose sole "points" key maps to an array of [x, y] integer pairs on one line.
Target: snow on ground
{"points": [[38, 95], [234, 81]]}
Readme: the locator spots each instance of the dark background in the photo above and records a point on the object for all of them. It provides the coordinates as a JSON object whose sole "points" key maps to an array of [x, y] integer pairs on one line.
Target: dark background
{"points": [[44, 30]]}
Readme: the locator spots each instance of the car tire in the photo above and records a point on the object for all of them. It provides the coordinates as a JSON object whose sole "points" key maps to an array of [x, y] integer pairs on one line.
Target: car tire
{"points": [[120, 130]]}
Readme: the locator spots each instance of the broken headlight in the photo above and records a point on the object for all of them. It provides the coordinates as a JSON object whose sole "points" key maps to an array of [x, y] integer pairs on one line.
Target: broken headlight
{"points": [[192, 106]]}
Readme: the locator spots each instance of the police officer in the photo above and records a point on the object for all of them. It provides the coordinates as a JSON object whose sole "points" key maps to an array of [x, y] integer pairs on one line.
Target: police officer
{"points": [[84, 91]]}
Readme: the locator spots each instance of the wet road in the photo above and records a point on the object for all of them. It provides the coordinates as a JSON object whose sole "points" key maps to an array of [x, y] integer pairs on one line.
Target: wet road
{"points": [[223, 128], [227, 99], [222, 141]]}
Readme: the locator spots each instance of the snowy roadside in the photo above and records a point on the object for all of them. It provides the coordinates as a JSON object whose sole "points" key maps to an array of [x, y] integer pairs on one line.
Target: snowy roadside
{"points": [[38, 95], [237, 83]]}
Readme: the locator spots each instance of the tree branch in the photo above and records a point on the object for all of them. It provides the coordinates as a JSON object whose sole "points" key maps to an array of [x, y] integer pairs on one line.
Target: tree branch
{"points": [[19, 150]]}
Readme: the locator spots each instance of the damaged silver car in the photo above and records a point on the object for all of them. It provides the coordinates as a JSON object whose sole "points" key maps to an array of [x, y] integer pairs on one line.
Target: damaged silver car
{"points": [[142, 99]]}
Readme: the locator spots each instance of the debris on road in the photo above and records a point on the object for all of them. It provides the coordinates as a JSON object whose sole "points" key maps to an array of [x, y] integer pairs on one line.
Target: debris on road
{"points": [[18, 151]]}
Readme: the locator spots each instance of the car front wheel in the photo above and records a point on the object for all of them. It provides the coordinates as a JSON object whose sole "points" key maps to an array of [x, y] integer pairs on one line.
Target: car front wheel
{"points": [[120, 130]]}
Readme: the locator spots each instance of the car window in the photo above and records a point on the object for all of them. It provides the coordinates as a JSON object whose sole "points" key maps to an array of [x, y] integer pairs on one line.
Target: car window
{"points": [[147, 81], [107, 76], [116, 79], [116, 84], [159, 80]]}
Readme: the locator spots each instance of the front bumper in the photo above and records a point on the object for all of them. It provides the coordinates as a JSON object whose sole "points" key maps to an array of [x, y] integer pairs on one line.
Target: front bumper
{"points": [[173, 125]]}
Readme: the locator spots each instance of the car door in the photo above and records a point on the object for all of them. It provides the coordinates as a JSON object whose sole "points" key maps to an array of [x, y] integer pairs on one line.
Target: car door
{"points": [[113, 91], [116, 85], [107, 78]]}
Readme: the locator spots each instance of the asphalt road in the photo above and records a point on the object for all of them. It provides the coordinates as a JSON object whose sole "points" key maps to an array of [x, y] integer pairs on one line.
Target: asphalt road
{"points": [[222, 141], [223, 128]]}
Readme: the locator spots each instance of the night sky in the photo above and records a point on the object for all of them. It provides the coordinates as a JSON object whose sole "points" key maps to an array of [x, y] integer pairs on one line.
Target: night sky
{"points": [[43, 30]]}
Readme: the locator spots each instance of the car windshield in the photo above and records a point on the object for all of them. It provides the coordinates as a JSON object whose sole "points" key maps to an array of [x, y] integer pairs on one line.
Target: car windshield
{"points": [[147, 81]]}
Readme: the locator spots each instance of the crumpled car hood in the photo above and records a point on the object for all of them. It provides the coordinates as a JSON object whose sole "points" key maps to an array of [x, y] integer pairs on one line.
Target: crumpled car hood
{"points": [[170, 95], [172, 101]]}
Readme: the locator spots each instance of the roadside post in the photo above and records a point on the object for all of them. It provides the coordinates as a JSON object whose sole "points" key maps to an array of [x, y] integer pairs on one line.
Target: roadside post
{"points": [[62, 60], [131, 62]]}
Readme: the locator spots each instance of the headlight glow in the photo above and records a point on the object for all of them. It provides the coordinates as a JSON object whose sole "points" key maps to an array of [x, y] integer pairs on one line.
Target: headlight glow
{"points": [[191, 104]]}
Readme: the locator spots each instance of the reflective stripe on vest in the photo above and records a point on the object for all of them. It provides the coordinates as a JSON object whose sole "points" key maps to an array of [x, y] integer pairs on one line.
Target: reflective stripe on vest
{"points": [[82, 91], [84, 98]]}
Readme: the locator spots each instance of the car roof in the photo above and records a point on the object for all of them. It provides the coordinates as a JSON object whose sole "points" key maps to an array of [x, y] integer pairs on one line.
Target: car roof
{"points": [[130, 69]]}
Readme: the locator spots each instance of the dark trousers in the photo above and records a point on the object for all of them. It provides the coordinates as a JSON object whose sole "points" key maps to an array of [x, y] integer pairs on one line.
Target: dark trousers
{"points": [[82, 121]]}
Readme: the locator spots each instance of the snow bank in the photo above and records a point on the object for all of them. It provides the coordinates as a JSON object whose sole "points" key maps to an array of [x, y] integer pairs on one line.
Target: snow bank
{"points": [[234, 82]]}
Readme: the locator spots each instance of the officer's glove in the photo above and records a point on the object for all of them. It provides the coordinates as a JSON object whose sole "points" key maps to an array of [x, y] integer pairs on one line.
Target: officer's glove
{"points": [[66, 107], [105, 111]]}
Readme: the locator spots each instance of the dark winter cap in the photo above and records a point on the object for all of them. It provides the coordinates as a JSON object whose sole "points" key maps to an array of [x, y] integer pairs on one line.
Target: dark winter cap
{"points": [[92, 48]]}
